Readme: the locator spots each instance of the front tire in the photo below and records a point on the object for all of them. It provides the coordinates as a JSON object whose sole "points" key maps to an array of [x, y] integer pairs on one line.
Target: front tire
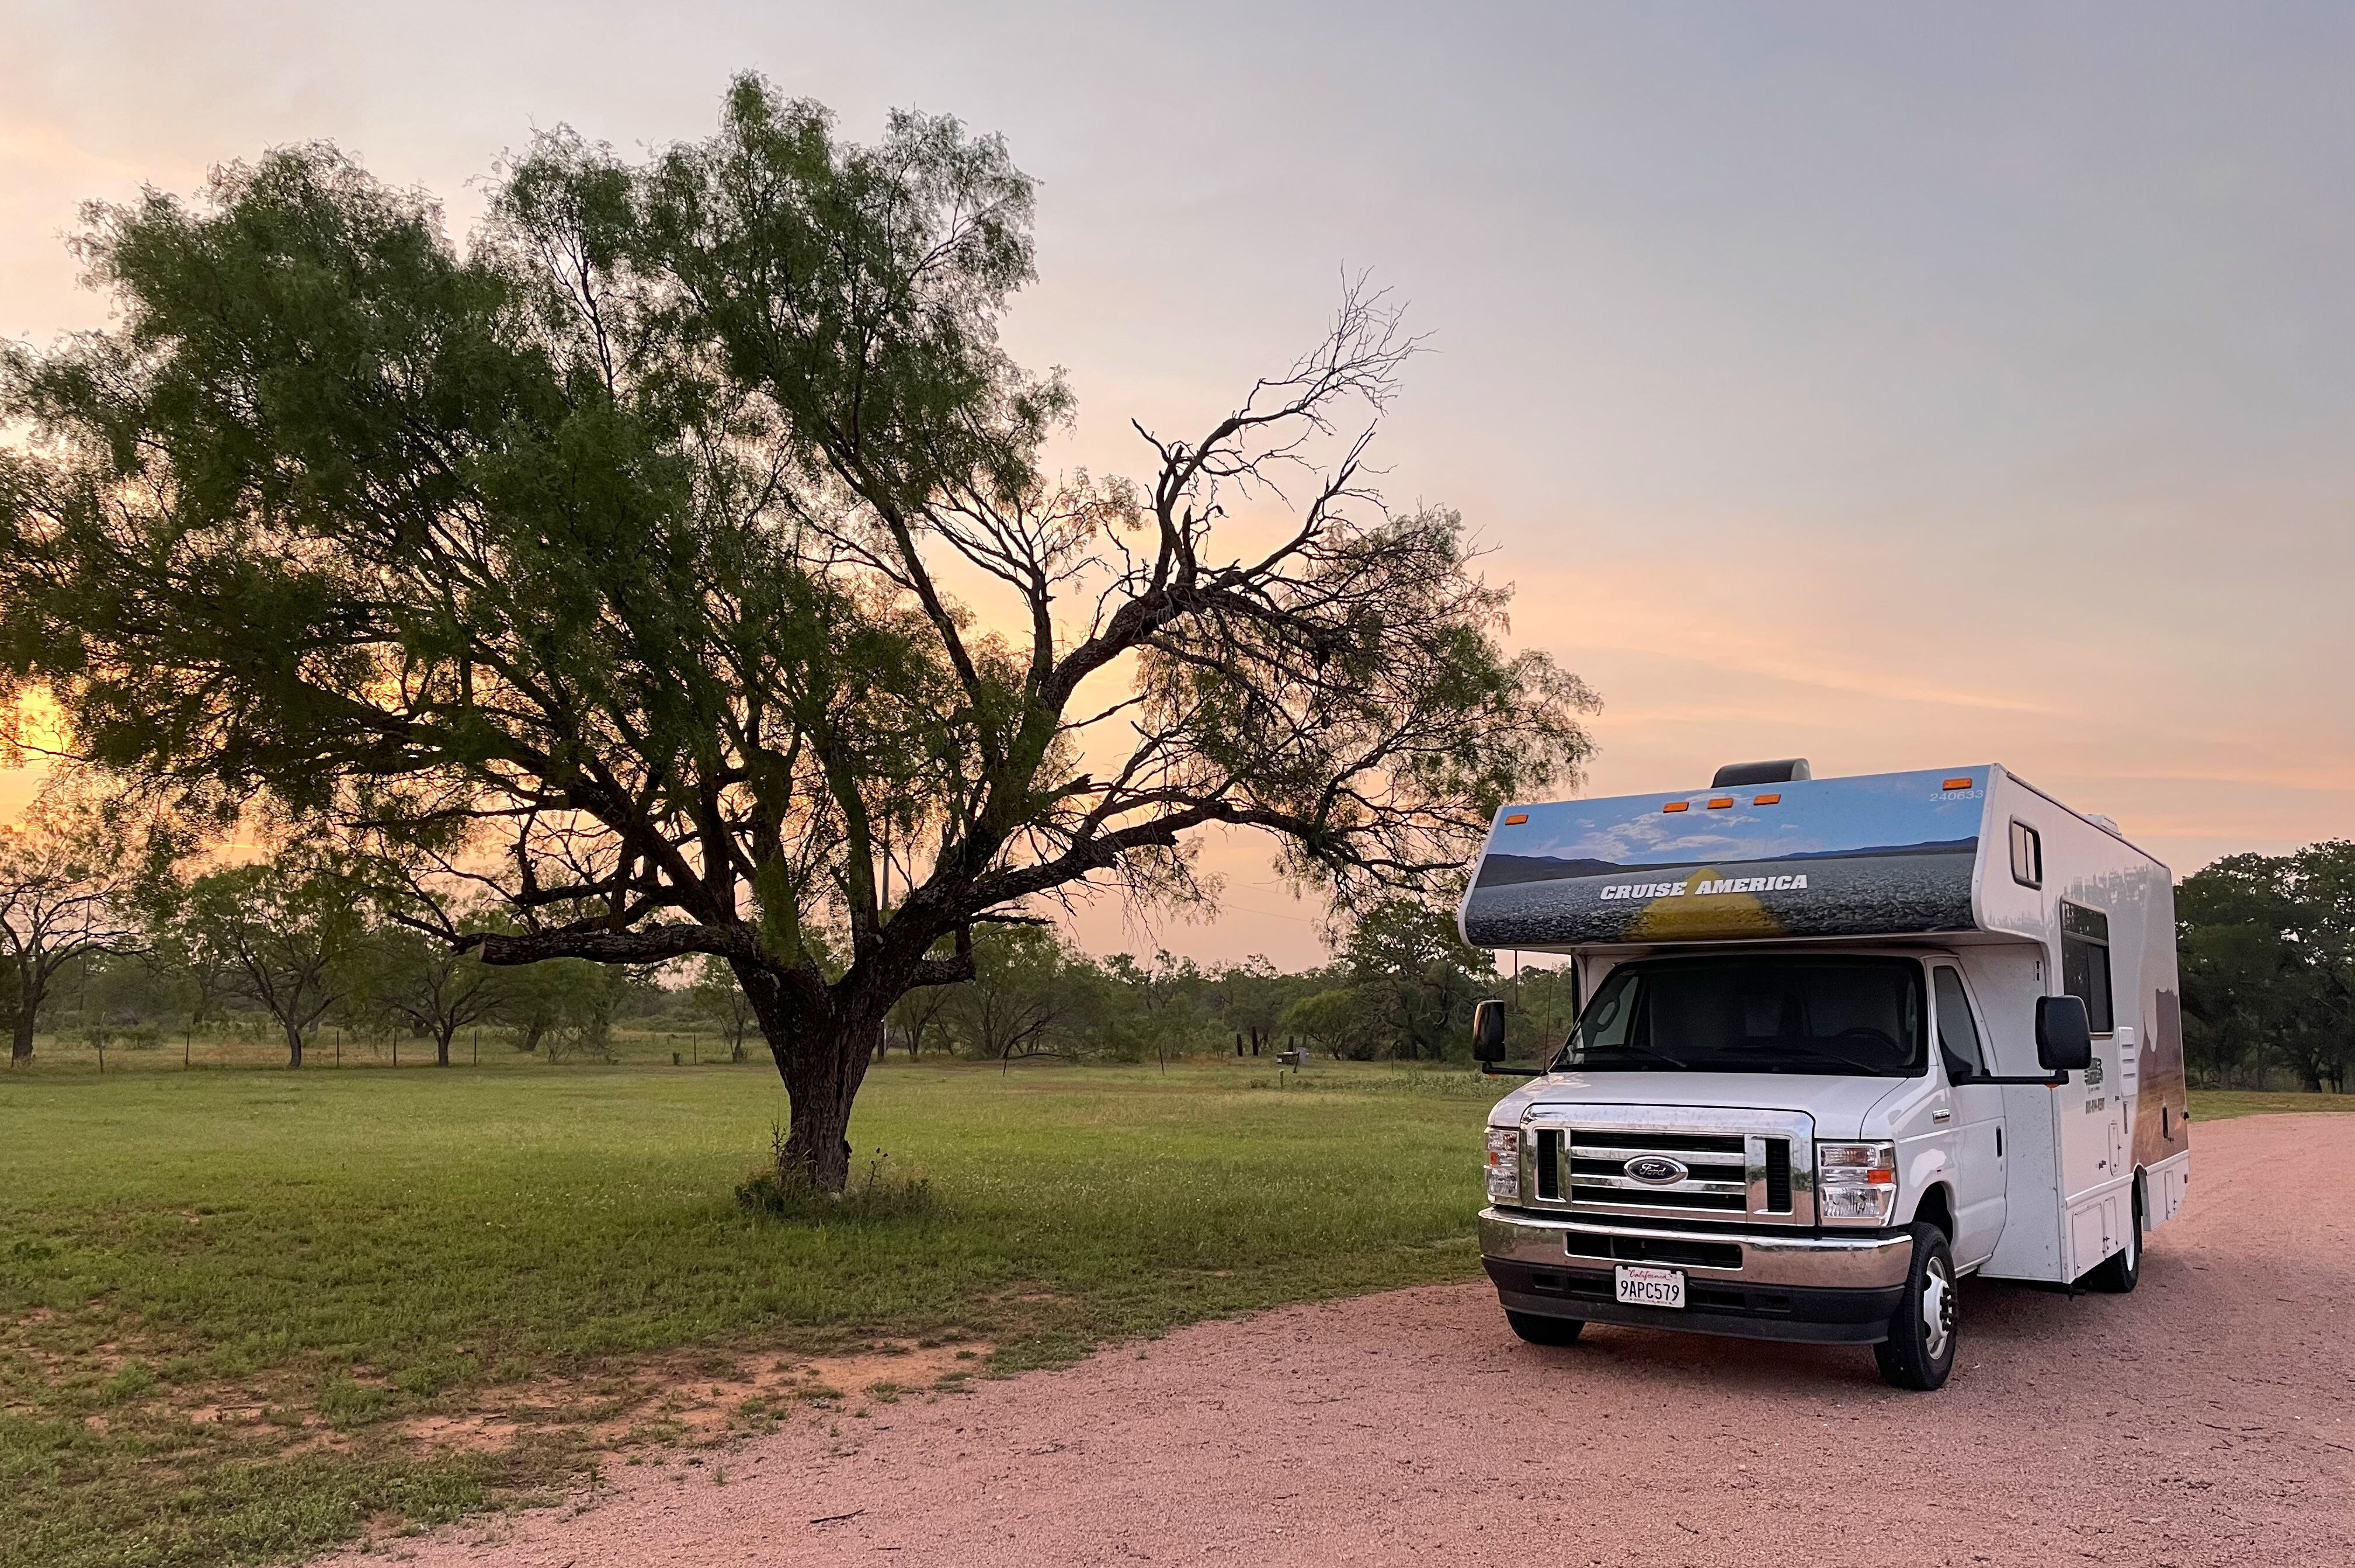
{"points": [[1919, 1353], [1539, 1329], [2120, 1271]]}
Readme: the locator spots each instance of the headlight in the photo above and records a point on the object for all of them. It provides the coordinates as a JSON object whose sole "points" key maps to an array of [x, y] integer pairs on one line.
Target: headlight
{"points": [[1503, 1164], [1856, 1184]]}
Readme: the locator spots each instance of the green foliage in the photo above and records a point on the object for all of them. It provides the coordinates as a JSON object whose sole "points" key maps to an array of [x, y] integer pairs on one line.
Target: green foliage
{"points": [[285, 933], [564, 1007], [1338, 1020], [2267, 954], [419, 981], [1415, 976], [717, 997], [1022, 1000]]}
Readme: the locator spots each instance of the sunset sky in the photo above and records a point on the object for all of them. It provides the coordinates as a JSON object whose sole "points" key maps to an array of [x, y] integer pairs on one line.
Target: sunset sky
{"points": [[1895, 386]]}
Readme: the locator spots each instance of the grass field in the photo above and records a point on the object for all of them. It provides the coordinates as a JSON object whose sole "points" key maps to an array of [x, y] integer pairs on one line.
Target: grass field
{"points": [[231, 1303], [2216, 1105], [244, 1314]]}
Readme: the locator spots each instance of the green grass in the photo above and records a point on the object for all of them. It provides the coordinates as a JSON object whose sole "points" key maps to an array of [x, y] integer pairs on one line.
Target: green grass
{"points": [[2219, 1104], [316, 1262]]}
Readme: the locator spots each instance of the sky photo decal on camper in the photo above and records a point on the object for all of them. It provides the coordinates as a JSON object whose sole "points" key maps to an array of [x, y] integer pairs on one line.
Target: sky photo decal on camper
{"points": [[1811, 857]]}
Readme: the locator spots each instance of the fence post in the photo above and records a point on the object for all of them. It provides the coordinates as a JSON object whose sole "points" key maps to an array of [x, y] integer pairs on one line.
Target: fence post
{"points": [[339, 1045], [478, 1045]]}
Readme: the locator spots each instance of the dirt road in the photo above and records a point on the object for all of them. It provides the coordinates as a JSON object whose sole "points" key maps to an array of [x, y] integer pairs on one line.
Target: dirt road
{"points": [[2208, 1418]]}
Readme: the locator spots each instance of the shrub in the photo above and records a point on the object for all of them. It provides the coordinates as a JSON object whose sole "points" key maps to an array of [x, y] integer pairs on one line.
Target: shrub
{"points": [[778, 1189]]}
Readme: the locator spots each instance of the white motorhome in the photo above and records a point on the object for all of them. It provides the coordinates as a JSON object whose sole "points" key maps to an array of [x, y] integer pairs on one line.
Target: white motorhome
{"points": [[1842, 1041]]}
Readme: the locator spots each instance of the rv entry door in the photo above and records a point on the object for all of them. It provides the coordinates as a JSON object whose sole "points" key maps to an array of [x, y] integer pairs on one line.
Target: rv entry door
{"points": [[1977, 1130]]}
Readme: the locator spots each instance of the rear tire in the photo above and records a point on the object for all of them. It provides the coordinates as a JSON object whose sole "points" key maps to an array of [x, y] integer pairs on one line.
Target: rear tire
{"points": [[1539, 1329], [2120, 1271], [1919, 1351]]}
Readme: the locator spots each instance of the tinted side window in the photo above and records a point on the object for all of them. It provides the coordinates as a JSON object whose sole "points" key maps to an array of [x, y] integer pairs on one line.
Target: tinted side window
{"points": [[2027, 855], [2085, 963], [1958, 1037]]}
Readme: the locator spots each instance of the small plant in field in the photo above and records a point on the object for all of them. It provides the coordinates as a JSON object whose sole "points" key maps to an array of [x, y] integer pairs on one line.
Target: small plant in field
{"points": [[132, 1380], [780, 1188]]}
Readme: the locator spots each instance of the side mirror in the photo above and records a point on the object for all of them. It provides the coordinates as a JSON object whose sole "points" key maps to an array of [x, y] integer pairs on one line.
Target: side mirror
{"points": [[2064, 1037], [1488, 1031]]}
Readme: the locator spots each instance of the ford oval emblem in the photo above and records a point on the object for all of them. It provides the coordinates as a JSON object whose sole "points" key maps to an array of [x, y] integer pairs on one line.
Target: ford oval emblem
{"points": [[1657, 1170]]}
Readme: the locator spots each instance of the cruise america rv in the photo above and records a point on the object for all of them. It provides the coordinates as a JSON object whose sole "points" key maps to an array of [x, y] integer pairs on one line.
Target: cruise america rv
{"points": [[1841, 1043]]}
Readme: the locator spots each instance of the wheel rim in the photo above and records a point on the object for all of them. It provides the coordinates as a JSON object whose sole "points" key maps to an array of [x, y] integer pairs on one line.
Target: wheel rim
{"points": [[1937, 1310]]}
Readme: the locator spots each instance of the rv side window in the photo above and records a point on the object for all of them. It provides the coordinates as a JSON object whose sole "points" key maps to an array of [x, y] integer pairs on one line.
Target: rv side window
{"points": [[2027, 855], [1958, 1037], [2085, 962]]}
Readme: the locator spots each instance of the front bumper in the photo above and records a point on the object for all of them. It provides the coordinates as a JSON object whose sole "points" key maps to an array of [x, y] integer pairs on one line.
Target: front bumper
{"points": [[1814, 1289]]}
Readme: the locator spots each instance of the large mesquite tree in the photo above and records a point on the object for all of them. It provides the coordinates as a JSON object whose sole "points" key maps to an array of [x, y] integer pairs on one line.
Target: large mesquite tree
{"points": [[676, 563]]}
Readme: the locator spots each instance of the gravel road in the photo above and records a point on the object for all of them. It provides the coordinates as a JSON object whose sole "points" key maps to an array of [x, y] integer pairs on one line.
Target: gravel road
{"points": [[2208, 1418]]}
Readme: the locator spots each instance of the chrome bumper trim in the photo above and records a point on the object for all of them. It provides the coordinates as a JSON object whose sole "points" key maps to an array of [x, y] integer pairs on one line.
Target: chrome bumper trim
{"points": [[1860, 1263]]}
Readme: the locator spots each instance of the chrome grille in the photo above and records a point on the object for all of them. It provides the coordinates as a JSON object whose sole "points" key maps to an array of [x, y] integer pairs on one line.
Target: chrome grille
{"points": [[1716, 1175], [1745, 1167]]}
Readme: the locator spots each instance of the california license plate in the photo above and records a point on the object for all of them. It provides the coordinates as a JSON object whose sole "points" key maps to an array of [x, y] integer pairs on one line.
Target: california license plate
{"points": [[1649, 1286]]}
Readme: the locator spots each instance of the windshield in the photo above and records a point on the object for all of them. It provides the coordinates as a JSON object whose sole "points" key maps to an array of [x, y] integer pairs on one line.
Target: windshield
{"points": [[1787, 1014]]}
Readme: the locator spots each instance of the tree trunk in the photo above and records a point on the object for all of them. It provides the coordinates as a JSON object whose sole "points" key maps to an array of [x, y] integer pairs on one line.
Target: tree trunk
{"points": [[822, 1070], [442, 1047], [32, 990], [822, 1057], [293, 1045]]}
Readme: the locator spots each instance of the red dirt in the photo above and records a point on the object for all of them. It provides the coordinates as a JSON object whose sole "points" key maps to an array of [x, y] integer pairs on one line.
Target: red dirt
{"points": [[2209, 1418]]}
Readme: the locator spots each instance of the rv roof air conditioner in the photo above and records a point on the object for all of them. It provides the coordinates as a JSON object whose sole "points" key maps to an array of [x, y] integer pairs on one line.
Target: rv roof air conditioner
{"points": [[1733, 775]]}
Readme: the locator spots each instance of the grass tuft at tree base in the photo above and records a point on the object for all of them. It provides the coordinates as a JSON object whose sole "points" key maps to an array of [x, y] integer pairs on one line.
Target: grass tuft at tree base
{"points": [[778, 1189]]}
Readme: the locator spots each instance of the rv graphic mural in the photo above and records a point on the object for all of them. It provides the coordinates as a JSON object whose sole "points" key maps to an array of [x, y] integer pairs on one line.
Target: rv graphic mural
{"points": [[1886, 854]]}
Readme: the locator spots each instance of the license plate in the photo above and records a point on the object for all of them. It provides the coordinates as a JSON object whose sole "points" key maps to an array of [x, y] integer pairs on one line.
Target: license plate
{"points": [[1649, 1286]]}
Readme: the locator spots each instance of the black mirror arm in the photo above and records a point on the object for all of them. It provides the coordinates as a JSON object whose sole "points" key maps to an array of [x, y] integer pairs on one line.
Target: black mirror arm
{"points": [[1490, 1069], [2056, 1081]]}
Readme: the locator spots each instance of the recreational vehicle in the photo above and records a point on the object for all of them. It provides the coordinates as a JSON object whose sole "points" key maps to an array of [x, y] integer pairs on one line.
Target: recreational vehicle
{"points": [[1840, 1042]]}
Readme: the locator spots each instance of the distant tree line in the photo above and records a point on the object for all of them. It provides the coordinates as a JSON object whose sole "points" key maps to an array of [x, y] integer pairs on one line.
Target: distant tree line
{"points": [[126, 932], [122, 928], [2268, 959]]}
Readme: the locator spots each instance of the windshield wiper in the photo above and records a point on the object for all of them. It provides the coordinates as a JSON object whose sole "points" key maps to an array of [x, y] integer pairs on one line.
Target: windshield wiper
{"points": [[1819, 1053], [1677, 1063]]}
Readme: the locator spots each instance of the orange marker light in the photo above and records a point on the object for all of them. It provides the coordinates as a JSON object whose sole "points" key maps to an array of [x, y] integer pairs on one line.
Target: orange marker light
{"points": [[1956, 784], [1721, 802], [1767, 800], [1517, 819], [1678, 805]]}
